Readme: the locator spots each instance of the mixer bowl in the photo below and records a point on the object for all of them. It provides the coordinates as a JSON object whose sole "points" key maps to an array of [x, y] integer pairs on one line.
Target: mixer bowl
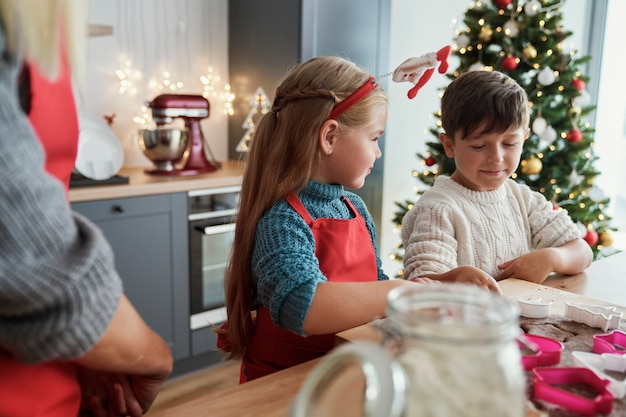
{"points": [[163, 146]]}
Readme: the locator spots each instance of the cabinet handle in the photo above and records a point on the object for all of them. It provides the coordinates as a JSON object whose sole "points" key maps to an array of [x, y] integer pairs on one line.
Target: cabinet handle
{"points": [[118, 209]]}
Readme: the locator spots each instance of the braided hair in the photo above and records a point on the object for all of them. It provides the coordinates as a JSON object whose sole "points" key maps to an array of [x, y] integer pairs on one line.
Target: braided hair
{"points": [[284, 153]]}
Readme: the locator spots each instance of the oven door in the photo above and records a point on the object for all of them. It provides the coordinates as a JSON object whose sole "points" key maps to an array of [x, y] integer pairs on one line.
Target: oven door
{"points": [[210, 245]]}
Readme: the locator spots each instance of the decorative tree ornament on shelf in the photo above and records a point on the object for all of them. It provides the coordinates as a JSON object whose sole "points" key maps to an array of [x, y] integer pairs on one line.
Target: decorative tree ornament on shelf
{"points": [[502, 4], [574, 136], [539, 125], [509, 63], [531, 166], [259, 106], [591, 237], [511, 29], [546, 76], [532, 7]]}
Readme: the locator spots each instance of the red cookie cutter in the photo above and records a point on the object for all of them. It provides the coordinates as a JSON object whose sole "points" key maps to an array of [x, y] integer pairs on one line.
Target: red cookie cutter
{"points": [[612, 342], [547, 351], [545, 382]]}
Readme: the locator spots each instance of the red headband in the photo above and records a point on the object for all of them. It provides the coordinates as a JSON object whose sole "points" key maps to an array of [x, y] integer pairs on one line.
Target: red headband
{"points": [[341, 107]]}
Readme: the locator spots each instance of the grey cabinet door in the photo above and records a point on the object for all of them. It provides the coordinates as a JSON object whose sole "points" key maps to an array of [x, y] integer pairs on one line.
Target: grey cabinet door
{"points": [[267, 37], [149, 238]]}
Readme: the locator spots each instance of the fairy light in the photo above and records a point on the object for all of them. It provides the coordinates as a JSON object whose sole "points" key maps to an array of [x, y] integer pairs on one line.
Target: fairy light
{"points": [[229, 97], [127, 77], [209, 82]]}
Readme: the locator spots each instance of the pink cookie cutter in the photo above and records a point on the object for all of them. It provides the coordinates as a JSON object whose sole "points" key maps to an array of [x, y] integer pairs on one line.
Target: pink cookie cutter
{"points": [[612, 342], [545, 382], [605, 362], [547, 351], [604, 318]]}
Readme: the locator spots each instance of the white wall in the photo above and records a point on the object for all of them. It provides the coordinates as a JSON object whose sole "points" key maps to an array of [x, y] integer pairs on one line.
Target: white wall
{"points": [[183, 37], [418, 28], [611, 121]]}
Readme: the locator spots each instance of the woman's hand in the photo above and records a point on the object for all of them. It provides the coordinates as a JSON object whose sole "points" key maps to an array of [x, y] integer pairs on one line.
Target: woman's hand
{"points": [[105, 394]]}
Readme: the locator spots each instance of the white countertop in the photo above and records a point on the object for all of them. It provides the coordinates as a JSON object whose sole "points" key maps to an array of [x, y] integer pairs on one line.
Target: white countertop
{"points": [[140, 183]]}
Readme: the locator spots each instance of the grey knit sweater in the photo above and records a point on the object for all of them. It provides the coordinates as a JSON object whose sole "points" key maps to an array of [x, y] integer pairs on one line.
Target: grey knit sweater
{"points": [[58, 285], [451, 226]]}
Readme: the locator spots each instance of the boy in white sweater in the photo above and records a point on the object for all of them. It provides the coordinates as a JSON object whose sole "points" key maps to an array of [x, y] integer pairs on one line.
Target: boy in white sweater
{"points": [[478, 225]]}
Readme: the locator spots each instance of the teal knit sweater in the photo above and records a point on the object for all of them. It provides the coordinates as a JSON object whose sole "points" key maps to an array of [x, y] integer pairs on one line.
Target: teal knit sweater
{"points": [[285, 269]]}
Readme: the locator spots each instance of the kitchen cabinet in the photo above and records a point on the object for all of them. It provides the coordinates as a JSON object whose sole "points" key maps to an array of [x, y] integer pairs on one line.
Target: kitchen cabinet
{"points": [[148, 235], [267, 37]]}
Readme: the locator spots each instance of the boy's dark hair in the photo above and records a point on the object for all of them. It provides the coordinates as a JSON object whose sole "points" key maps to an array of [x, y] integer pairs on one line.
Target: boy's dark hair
{"points": [[489, 100]]}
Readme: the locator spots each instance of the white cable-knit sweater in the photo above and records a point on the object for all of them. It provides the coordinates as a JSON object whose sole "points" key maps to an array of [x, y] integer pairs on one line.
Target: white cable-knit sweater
{"points": [[451, 226]]}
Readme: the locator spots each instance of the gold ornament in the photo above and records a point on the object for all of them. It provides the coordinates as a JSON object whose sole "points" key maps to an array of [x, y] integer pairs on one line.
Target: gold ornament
{"points": [[529, 52], [531, 166], [606, 238], [574, 112], [485, 34]]}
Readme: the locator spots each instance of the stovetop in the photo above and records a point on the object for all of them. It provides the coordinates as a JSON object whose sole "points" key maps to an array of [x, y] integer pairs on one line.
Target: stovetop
{"points": [[79, 180]]}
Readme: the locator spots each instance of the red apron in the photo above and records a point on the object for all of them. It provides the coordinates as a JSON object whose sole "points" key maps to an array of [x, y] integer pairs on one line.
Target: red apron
{"points": [[345, 254], [48, 389], [53, 116]]}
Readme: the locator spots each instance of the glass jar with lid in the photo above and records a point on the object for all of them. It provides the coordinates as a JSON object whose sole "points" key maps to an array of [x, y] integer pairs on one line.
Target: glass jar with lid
{"points": [[448, 350]]}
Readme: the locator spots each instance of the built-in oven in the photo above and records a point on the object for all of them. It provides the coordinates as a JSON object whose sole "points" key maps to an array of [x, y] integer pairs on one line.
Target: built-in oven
{"points": [[211, 216]]}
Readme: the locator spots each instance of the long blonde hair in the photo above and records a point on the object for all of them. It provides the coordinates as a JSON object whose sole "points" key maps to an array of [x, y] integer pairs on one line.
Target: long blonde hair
{"points": [[41, 30], [283, 154]]}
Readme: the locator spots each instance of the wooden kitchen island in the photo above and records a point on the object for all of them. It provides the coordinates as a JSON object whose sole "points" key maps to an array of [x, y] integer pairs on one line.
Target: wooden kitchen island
{"points": [[603, 283]]}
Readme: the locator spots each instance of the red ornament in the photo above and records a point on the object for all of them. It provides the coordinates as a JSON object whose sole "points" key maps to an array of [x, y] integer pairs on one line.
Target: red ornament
{"points": [[578, 84], [591, 237], [430, 161], [502, 3], [509, 63], [574, 135]]}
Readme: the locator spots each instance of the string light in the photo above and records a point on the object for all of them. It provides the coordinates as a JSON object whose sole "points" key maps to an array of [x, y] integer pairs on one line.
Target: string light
{"points": [[259, 103], [127, 77]]}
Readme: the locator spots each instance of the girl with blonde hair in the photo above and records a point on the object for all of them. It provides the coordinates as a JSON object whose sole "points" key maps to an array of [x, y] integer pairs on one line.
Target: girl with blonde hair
{"points": [[304, 262]]}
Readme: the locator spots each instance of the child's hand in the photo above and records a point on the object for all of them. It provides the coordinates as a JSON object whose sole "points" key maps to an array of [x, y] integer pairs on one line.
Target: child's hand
{"points": [[467, 275], [533, 267]]}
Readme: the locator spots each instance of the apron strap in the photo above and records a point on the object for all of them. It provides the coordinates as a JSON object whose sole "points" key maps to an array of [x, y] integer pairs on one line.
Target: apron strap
{"points": [[297, 205]]}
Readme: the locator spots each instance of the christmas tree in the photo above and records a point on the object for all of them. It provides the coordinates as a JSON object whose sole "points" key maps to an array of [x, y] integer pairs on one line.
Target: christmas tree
{"points": [[524, 38], [259, 105]]}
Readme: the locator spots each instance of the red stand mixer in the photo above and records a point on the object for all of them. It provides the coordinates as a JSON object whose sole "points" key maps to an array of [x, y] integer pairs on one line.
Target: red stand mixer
{"points": [[192, 109]]}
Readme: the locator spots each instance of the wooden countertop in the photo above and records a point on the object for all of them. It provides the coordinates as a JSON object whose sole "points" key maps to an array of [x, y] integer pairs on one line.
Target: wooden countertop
{"points": [[140, 183], [605, 280], [271, 396]]}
